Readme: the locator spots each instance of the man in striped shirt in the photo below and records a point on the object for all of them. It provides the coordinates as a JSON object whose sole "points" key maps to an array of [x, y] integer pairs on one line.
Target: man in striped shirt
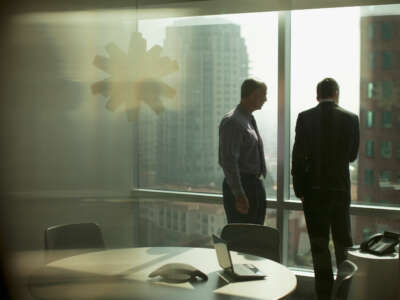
{"points": [[241, 157]]}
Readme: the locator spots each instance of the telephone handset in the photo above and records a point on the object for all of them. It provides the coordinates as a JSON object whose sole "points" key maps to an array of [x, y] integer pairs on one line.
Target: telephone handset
{"points": [[381, 243]]}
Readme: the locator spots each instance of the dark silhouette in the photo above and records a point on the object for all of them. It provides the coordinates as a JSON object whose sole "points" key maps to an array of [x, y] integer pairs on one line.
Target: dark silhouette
{"points": [[327, 140]]}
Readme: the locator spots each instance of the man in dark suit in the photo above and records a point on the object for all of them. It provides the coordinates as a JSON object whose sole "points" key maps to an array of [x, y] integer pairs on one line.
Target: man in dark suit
{"points": [[327, 140]]}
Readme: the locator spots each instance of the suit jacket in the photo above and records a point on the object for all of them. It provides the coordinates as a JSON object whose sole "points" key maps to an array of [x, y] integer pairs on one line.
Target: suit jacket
{"points": [[327, 140]]}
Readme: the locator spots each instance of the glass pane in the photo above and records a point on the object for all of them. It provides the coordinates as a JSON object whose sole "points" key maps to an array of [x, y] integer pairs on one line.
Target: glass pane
{"points": [[341, 64], [368, 81], [298, 245], [299, 252], [178, 147], [181, 223], [365, 226], [70, 143]]}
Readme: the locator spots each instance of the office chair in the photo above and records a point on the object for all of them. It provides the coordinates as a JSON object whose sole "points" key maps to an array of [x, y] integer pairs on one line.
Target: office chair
{"points": [[253, 239], [70, 239], [341, 287]]}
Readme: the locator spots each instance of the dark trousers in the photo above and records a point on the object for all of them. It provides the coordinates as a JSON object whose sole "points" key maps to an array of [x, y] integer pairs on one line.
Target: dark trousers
{"points": [[255, 192], [325, 211]]}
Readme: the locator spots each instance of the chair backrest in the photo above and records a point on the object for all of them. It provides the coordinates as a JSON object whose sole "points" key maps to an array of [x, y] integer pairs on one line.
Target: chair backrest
{"points": [[79, 237], [341, 287], [253, 239]]}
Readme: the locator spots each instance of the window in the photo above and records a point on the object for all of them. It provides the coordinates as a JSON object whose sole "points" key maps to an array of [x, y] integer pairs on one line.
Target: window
{"points": [[364, 89], [370, 148], [387, 119], [387, 31], [385, 178], [386, 149], [372, 60], [387, 60], [367, 199], [398, 150], [368, 177], [387, 89], [188, 41], [398, 120], [372, 90], [371, 31], [370, 119], [364, 226]]}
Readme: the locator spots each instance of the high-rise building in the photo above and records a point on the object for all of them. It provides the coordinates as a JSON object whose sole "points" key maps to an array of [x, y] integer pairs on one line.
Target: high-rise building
{"points": [[213, 62], [379, 156]]}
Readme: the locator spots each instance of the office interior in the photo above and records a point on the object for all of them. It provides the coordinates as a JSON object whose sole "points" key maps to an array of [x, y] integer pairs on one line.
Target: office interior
{"points": [[110, 113]]}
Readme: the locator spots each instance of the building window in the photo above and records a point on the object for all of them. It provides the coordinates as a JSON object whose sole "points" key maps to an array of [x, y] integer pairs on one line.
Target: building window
{"points": [[398, 151], [387, 60], [386, 149], [371, 31], [367, 199], [368, 177], [372, 60], [398, 120], [387, 89], [370, 119], [384, 178], [398, 178], [370, 148], [387, 31], [372, 91], [387, 119]]}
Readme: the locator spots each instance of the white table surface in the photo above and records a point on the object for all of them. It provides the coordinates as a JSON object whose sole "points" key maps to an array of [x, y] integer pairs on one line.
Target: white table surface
{"points": [[123, 274]]}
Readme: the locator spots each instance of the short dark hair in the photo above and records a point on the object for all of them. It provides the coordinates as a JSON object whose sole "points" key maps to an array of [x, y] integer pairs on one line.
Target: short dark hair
{"points": [[249, 86], [327, 88]]}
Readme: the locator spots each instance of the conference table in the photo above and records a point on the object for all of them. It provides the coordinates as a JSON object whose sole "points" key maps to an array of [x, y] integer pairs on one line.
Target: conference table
{"points": [[123, 274]]}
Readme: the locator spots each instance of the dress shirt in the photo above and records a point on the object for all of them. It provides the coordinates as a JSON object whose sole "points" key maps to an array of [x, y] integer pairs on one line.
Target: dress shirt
{"points": [[240, 148]]}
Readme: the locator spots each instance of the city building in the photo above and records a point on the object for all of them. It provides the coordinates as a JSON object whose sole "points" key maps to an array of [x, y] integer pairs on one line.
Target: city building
{"points": [[379, 156], [181, 144]]}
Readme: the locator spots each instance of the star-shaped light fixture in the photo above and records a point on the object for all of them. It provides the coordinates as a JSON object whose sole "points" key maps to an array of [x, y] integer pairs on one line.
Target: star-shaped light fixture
{"points": [[135, 77]]}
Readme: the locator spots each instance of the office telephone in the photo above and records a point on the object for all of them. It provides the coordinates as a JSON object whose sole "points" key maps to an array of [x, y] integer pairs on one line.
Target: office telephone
{"points": [[381, 243]]}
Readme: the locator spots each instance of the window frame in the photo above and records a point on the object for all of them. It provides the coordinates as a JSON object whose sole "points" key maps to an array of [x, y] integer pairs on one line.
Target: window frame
{"points": [[283, 204]]}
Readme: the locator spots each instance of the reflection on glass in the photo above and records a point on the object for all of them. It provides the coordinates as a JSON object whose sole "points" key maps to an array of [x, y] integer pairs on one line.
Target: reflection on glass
{"points": [[179, 149]]}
